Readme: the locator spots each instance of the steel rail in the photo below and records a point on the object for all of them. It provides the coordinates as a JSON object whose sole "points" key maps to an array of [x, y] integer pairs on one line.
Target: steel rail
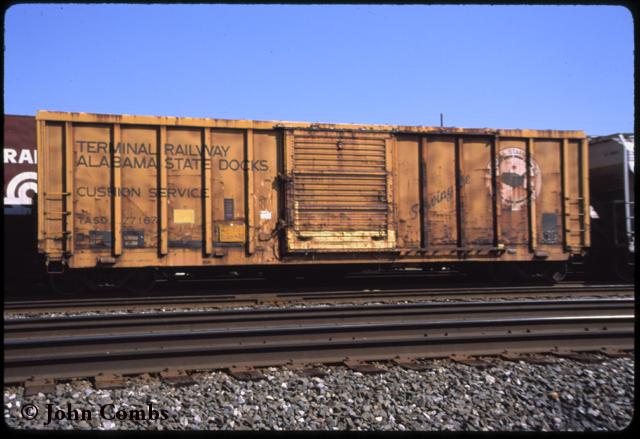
{"points": [[219, 349], [347, 296], [534, 289], [150, 322], [82, 355]]}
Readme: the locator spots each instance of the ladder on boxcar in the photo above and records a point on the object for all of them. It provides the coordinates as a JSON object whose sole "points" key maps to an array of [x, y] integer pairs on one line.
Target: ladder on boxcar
{"points": [[575, 223], [58, 237]]}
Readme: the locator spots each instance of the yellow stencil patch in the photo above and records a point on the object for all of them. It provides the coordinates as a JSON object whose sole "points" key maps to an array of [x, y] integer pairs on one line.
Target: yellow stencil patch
{"points": [[231, 233], [184, 216]]}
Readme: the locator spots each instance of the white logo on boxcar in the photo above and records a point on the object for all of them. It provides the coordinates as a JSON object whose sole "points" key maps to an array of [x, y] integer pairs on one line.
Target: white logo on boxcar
{"points": [[511, 176], [18, 189]]}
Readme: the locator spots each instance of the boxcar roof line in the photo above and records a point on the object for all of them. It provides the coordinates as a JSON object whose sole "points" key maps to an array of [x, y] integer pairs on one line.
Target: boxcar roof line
{"points": [[270, 125]]}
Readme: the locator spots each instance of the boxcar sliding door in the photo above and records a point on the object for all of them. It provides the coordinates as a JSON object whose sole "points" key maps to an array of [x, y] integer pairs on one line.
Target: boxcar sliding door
{"points": [[338, 192]]}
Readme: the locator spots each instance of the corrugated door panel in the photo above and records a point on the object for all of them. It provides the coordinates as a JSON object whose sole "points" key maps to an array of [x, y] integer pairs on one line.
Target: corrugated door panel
{"points": [[52, 197], [184, 187], [339, 192], [475, 193], [512, 190], [574, 222], [440, 199], [138, 150], [547, 192], [92, 189]]}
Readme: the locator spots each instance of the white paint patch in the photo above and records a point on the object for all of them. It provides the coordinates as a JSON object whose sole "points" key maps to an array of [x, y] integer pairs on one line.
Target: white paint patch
{"points": [[265, 215]]}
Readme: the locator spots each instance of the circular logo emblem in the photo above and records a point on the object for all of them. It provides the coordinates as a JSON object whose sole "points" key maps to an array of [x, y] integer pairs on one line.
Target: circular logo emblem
{"points": [[511, 176], [18, 189]]}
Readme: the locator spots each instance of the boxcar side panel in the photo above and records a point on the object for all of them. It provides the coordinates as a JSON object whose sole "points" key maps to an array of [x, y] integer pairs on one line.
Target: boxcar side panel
{"points": [[184, 205], [92, 190], [573, 214], [512, 191], [439, 194], [228, 200], [475, 193], [265, 195], [408, 192], [547, 191], [139, 193], [51, 191]]}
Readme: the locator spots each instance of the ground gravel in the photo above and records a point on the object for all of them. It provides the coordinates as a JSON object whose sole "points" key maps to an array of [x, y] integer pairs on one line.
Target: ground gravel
{"points": [[565, 396]]}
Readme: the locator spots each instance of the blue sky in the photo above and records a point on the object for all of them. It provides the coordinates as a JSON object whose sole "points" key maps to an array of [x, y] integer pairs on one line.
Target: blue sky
{"points": [[542, 67]]}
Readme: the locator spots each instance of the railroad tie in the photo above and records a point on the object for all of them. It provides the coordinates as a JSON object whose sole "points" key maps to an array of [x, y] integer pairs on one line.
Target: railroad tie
{"points": [[109, 381], [614, 353], [582, 357], [362, 367], [243, 373], [176, 377], [410, 363], [314, 372], [310, 370], [33, 386], [533, 359], [470, 361]]}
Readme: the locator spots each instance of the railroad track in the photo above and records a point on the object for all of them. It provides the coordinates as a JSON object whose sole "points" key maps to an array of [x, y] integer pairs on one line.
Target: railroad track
{"points": [[248, 299], [81, 346]]}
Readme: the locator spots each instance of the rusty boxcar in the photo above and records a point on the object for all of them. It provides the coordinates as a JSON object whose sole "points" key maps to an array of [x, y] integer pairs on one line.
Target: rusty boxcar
{"points": [[165, 193]]}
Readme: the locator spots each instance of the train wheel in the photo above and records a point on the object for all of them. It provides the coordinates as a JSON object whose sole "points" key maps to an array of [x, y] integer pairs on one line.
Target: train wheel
{"points": [[141, 281], [555, 273], [69, 283]]}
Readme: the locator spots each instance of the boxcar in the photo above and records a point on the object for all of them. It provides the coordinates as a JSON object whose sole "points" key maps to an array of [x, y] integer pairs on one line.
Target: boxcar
{"points": [[22, 266], [611, 163], [166, 193]]}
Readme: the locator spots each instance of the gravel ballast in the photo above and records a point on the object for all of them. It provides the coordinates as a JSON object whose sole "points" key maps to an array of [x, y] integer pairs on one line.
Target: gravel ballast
{"points": [[564, 396]]}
